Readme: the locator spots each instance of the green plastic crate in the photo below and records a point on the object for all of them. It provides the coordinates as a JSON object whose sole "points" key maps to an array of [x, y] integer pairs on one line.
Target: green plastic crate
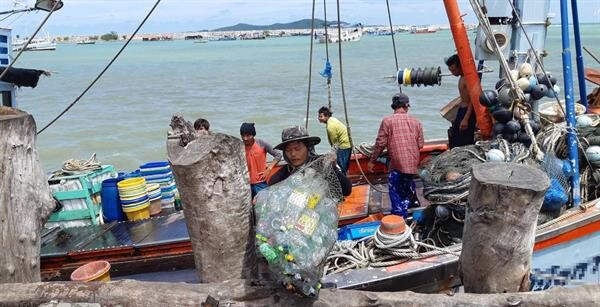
{"points": [[85, 196]]}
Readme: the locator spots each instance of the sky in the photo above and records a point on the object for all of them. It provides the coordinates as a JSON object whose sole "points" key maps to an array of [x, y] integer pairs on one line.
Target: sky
{"points": [[79, 17]]}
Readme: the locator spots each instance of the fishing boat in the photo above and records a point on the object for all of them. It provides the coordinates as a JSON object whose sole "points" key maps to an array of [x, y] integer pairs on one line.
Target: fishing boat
{"points": [[423, 30], [86, 42], [163, 243], [353, 34]]}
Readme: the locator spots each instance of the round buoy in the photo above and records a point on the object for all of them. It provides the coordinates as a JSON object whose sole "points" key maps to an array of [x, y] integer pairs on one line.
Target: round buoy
{"points": [[512, 126], [442, 212], [505, 97], [392, 224], [502, 115], [532, 83], [553, 91], [500, 84], [545, 80], [488, 98], [593, 153], [584, 121], [526, 70], [510, 137], [523, 83], [539, 91], [524, 138], [498, 128], [535, 126], [495, 155]]}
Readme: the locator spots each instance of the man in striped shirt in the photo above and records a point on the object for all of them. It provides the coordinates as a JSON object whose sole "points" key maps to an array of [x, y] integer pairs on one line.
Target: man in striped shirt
{"points": [[402, 135]]}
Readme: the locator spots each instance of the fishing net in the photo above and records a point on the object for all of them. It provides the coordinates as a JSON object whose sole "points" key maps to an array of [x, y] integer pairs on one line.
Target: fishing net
{"points": [[446, 182], [297, 224]]}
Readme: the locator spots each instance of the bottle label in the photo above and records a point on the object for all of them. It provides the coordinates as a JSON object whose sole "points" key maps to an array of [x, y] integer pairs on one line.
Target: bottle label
{"points": [[306, 224], [298, 199]]}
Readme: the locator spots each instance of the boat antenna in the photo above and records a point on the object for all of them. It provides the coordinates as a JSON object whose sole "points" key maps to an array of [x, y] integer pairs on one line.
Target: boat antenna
{"points": [[387, 2], [10, 65], [310, 58], [103, 70]]}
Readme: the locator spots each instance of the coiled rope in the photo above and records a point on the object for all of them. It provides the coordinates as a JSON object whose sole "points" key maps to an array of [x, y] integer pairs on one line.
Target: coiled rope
{"points": [[382, 250], [103, 70]]}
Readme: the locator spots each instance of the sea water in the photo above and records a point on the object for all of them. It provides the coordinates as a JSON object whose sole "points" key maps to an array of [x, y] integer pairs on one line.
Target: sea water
{"points": [[124, 118]]}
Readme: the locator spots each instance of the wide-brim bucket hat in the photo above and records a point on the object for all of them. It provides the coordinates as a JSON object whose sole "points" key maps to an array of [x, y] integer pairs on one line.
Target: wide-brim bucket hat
{"points": [[296, 133]]}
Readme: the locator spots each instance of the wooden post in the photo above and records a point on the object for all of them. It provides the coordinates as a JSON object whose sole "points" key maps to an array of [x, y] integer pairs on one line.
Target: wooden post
{"points": [[212, 179], [25, 201], [243, 293], [500, 223]]}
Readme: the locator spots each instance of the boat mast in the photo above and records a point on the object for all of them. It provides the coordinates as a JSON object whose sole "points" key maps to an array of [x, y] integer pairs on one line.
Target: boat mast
{"points": [[467, 63], [569, 102], [579, 55]]}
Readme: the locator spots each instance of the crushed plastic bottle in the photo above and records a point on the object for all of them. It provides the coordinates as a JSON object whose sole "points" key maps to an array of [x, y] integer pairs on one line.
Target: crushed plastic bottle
{"points": [[296, 229]]}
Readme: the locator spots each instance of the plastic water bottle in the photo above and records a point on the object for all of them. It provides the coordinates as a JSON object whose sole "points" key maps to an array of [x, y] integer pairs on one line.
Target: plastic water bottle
{"points": [[268, 252]]}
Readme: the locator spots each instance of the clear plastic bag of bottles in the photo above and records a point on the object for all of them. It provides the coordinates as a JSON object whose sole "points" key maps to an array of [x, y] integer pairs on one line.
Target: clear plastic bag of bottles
{"points": [[297, 227]]}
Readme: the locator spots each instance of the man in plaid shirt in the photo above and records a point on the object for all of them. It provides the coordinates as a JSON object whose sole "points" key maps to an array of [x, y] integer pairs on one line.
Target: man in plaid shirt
{"points": [[402, 135]]}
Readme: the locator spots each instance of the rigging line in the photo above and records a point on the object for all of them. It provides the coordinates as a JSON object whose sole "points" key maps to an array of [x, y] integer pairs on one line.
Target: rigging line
{"points": [[29, 40], [312, 39], [326, 36], [535, 54], [103, 70], [327, 54], [484, 22], [392, 32], [387, 2], [339, 28], [591, 54], [8, 16]]}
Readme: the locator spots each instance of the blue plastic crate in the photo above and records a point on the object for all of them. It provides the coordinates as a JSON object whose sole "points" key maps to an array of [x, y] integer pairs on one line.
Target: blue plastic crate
{"points": [[358, 231]]}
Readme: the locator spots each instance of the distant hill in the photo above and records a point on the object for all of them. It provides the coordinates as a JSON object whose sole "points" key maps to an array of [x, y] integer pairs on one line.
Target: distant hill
{"points": [[300, 24]]}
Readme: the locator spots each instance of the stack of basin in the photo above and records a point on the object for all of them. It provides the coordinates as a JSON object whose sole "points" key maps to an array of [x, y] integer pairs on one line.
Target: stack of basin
{"points": [[134, 198], [160, 172]]}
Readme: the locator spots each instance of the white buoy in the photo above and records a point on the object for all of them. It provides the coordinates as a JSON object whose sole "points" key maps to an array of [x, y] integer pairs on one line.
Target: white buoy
{"points": [[526, 70], [495, 155], [523, 83], [593, 153]]}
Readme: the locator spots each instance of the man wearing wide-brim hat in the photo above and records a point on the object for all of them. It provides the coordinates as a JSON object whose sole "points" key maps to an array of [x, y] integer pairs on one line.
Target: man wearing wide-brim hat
{"points": [[299, 149]]}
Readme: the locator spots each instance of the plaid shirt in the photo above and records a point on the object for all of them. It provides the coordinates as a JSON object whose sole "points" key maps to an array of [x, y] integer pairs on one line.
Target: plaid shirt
{"points": [[402, 135]]}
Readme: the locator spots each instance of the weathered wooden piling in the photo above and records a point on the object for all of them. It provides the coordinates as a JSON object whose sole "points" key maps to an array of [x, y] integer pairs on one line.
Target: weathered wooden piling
{"points": [[500, 223], [212, 179], [25, 201], [243, 293]]}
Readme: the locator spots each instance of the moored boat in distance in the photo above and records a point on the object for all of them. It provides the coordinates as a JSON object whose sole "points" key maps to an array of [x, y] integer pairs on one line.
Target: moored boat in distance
{"points": [[86, 42], [36, 44], [348, 35], [423, 29]]}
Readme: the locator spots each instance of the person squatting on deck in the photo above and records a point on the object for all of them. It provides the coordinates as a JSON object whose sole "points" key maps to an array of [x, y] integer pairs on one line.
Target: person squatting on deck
{"points": [[337, 134], [256, 157], [298, 150], [462, 131], [201, 125], [402, 135]]}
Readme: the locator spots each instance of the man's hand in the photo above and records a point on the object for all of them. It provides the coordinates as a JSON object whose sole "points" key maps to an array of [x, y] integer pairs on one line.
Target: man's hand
{"points": [[464, 124], [370, 166]]}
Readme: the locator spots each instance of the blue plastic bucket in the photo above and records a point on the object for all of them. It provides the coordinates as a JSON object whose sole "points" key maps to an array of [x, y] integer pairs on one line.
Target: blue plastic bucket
{"points": [[111, 205]]}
